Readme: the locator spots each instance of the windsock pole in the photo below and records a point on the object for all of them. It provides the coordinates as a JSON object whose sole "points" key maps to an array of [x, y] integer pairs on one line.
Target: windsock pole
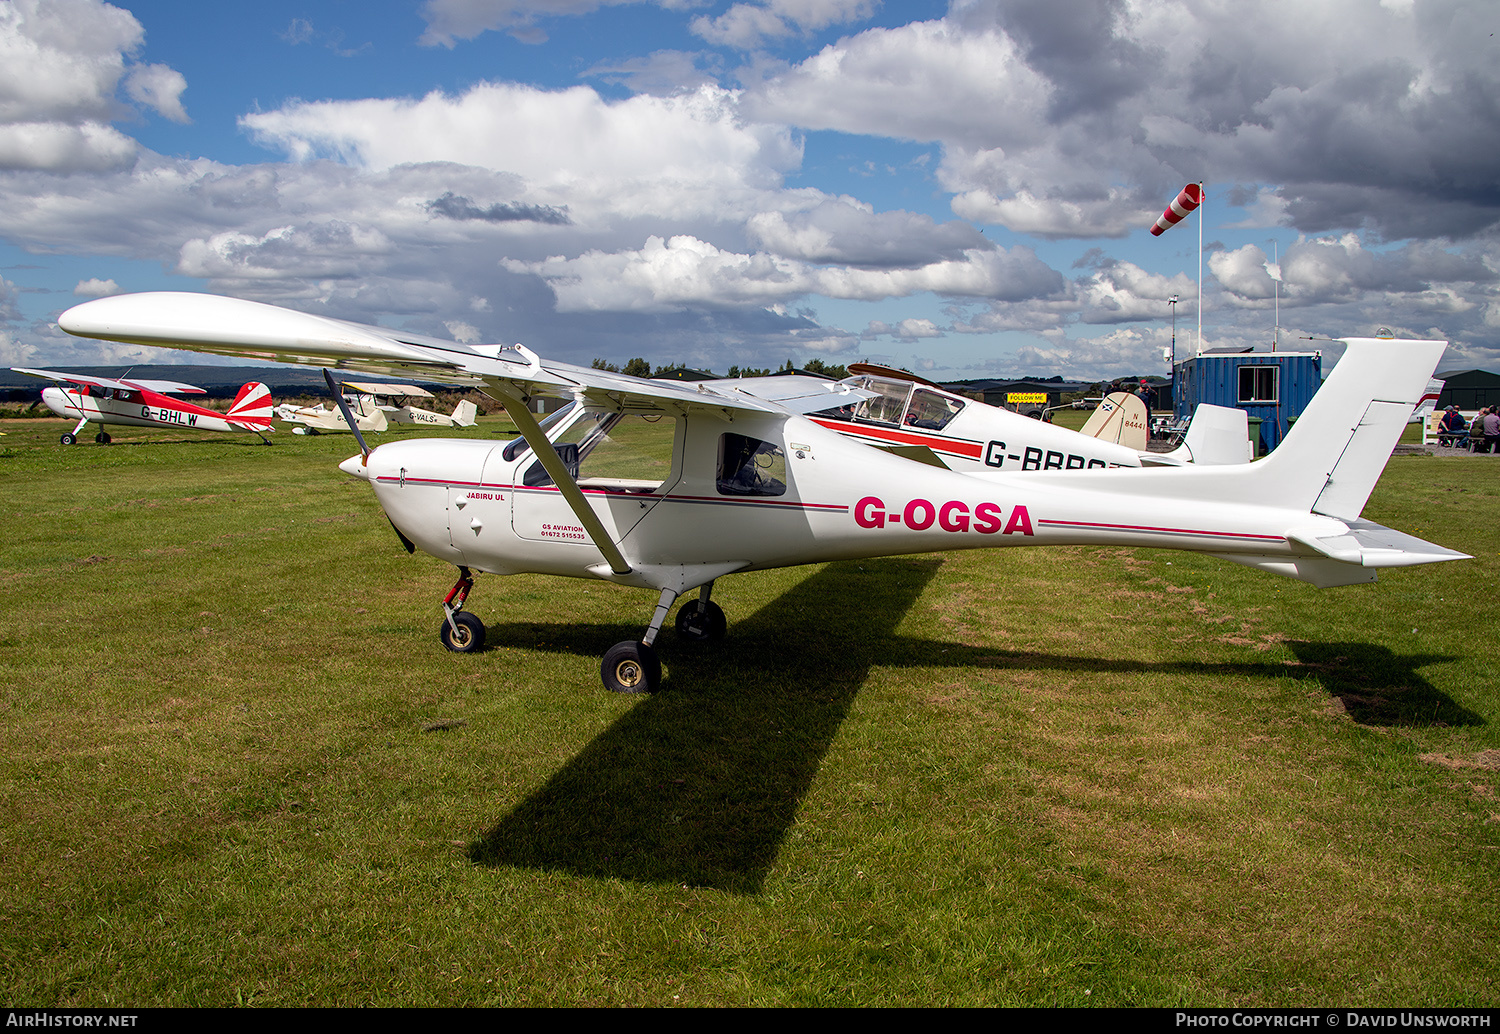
{"points": [[1189, 198], [1202, 197]]}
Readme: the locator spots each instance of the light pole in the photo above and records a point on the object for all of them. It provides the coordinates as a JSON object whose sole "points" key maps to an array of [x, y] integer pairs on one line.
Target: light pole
{"points": [[1172, 359], [1172, 301]]}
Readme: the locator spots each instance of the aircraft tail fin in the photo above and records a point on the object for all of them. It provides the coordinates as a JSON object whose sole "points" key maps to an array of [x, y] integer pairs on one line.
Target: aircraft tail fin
{"points": [[253, 405], [1217, 436], [465, 414], [1327, 465], [1332, 457], [1120, 418]]}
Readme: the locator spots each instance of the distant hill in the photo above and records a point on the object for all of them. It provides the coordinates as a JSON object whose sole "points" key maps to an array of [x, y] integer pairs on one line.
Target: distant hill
{"points": [[218, 381]]}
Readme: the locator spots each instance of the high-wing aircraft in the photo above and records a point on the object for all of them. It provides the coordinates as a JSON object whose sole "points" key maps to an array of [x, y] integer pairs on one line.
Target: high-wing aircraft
{"points": [[464, 414], [669, 487], [144, 403], [359, 413], [908, 414], [1427, 404]]}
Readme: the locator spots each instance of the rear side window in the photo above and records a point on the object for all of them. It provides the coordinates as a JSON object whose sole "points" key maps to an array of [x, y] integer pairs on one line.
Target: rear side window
{"points": [[749, 466]]}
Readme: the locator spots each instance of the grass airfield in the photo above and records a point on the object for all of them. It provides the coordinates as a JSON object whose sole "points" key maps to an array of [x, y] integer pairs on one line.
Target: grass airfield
{"points": [[236, 766]]}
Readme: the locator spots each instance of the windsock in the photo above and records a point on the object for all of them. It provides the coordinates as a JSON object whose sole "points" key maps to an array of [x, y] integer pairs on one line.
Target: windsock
{"points": [[1190, 198]]}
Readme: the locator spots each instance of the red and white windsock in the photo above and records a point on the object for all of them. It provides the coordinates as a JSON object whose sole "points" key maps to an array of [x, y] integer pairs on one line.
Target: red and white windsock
{"points": [[1190, 198]]}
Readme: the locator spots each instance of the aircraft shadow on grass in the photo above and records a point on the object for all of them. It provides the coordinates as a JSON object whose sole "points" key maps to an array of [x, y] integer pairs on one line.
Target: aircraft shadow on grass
{"points": [[699, 783]]}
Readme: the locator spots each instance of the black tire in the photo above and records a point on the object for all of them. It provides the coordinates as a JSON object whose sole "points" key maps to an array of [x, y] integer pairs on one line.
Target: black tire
{"points": [[470, 636], [68, 439], [102, 438], [631, 668], [1035, 414], [701, 626]]}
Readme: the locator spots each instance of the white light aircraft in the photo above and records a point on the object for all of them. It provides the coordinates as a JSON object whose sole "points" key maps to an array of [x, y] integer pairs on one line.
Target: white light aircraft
{"points": [[143, 403], [916, 418], [464, 414], [1427, 404], [669, 487], [362, 414]]}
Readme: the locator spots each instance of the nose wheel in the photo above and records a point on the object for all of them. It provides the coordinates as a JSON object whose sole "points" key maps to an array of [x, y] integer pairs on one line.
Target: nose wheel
{"points": [[460, 631]]}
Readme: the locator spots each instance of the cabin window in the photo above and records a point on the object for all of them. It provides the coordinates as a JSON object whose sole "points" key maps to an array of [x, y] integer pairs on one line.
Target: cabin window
{"points": [[887, 406], [1258, 383], [749, 466], [930, 410]]}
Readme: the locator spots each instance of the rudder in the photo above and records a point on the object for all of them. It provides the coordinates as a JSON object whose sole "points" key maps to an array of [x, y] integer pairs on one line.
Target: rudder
{"points": [[253, 404]]}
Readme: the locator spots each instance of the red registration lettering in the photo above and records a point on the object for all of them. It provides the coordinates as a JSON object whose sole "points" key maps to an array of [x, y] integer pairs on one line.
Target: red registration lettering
{"points": [[869, 512]]}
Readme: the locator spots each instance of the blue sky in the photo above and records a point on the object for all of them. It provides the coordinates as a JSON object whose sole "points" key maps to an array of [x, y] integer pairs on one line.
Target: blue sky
{"points": [[964, 189]]}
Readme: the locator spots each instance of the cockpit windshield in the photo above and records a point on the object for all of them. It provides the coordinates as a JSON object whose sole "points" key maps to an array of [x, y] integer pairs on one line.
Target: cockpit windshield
{"points": [[899, 403], [516, 446]]}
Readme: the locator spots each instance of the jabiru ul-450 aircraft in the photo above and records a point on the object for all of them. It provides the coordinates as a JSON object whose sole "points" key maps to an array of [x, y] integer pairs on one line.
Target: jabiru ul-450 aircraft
{"points": [[669, 488], [144, 403]]}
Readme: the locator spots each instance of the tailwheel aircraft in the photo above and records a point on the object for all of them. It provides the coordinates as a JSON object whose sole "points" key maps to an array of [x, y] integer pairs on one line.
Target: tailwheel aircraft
{"points": [[144, 403], [669, 488], [464, 414]]}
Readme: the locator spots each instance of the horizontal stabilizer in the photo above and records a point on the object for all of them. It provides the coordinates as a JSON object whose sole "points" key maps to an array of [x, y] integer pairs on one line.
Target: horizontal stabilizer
{"points": [[1348, 559], [1374, 545]]}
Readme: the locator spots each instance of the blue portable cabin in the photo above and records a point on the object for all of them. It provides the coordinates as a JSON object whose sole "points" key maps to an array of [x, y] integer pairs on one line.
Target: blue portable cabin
{"points": [[1271, 387]]}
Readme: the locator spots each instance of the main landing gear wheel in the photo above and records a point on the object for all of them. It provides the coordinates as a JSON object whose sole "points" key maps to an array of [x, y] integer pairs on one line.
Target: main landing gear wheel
{"points": [[701, 622], [631, 668], [68, 439], [468, 638], [102, 438]]}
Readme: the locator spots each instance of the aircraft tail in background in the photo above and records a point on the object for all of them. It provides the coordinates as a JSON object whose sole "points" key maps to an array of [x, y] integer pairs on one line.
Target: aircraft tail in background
{"points": [[253, 406], [465, 414]]}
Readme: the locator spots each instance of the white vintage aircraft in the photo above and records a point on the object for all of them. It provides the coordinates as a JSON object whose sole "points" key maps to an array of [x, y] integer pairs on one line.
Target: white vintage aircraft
{"points": [[669, 487], [464, 414], [143, 403], [912, 416], [361, 415]]}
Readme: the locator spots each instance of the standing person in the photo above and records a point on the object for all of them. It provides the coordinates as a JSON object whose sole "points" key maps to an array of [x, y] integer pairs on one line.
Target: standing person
{"points": [[1491, 429]]}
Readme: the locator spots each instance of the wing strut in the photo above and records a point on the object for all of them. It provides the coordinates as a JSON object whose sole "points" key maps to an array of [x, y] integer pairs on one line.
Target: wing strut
{"points": [[553, 465]]}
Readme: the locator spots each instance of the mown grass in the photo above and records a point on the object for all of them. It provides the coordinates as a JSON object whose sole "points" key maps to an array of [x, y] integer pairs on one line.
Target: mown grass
{"points": [[237, 767]]}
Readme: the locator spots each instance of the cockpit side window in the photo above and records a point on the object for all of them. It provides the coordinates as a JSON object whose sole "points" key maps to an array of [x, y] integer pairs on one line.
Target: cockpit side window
{"points": [[749, 466], [887, 406], [931, 411]]}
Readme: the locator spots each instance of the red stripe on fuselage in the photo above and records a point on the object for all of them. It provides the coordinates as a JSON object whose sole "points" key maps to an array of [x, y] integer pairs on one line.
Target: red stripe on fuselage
{"points": [[954, 446]]}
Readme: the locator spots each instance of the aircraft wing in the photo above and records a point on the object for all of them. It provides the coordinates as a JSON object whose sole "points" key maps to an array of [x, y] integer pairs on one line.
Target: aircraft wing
{"points": [[385, 389], [254, 330], [795, 392], [165, 387]]}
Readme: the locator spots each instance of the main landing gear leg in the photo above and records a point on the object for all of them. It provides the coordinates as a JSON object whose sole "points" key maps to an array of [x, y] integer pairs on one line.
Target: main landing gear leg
{"points": [[633, 667], [461, 631], [72, 436]]}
